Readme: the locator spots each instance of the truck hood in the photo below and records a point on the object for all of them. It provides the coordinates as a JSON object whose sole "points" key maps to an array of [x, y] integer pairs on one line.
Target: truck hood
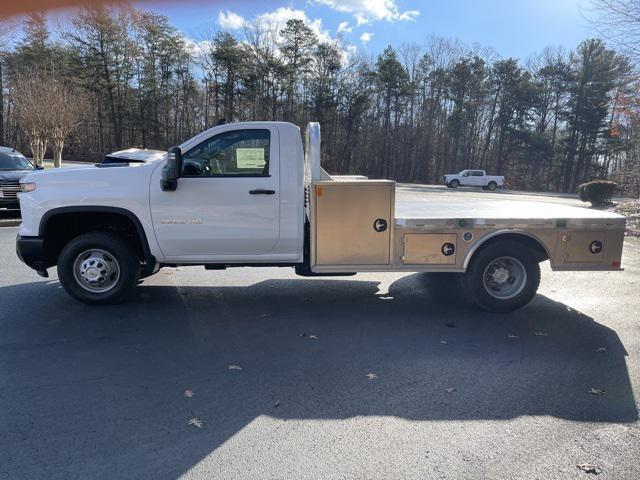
{"points": [[86, 178], [10, 176], [135, 155]]}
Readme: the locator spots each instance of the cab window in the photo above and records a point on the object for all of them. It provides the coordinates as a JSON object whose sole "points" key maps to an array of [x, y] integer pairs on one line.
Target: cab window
{"points": [[236, 153]]}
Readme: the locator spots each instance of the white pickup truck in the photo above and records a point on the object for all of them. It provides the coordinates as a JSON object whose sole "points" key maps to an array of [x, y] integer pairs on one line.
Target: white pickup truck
{"points": [[473, 178], [250, 194]]}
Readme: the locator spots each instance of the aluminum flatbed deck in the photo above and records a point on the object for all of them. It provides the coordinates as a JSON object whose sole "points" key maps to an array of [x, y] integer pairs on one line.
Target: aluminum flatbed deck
{"points": [[412, 212]]}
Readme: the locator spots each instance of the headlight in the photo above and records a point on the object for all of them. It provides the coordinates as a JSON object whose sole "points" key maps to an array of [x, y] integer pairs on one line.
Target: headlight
{"points": [[28, 187]]}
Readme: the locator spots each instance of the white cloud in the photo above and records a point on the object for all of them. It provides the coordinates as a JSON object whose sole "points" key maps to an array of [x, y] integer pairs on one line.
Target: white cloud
{"points": [[366, 37], [281, 15], [197, 48], [230, 20], [275, 19], [367, 11], [344, 27]]}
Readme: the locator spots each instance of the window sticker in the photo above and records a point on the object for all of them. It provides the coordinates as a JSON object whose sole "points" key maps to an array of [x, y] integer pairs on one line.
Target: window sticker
{"points": [[250, 158]]}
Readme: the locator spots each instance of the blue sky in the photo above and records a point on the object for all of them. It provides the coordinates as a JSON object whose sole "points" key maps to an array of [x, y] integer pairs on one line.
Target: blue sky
{"points": [[516, 28]]}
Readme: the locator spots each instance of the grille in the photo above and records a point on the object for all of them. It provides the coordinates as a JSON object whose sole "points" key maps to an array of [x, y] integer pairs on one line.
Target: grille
{"points": [[9, 190]]}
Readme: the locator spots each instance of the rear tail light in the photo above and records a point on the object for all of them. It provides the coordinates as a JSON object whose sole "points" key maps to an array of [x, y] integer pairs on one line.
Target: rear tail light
{"points": [[28, 187]]}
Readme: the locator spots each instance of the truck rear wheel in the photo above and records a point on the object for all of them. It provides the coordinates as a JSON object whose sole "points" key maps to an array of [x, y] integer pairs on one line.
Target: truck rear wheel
{"points": [[502, 277], [492, 186], [98, 268]]}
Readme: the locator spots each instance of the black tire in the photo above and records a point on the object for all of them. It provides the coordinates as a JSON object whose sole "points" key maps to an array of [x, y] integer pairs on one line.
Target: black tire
{"points": [[117, 249], [476, 289], [454, 183], [492, 186]]}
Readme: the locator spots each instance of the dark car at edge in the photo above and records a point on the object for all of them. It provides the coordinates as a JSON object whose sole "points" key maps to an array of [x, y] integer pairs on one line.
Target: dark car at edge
{"points": [[13, 166]]}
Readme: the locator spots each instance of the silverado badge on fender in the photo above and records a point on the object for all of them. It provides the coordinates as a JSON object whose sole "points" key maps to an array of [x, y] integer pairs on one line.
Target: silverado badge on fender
{"points": [[181, 221]]}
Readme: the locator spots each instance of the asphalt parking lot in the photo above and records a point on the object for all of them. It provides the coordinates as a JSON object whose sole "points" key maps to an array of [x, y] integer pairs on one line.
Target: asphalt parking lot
{"points": [[257, 373]]}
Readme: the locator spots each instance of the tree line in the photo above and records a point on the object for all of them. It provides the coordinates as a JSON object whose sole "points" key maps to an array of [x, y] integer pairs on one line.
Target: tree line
{"points": [[411, 113]]}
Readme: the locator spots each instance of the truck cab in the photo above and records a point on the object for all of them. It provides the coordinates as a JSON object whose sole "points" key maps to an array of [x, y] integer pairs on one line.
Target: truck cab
{"points": [[252, 194], [238, 197]]}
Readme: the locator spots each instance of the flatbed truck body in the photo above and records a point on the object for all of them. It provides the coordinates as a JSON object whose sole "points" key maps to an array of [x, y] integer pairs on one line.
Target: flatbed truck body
{"points": [[252, 194]]}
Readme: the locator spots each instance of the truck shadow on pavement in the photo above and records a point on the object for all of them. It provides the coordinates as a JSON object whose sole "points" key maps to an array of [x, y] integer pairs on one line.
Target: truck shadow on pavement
{"points": [[99, 392]]}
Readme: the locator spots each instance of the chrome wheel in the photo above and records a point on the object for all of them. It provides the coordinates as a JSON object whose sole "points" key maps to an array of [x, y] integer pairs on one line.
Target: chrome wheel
{"points": [[504, 278], [96, 270]]}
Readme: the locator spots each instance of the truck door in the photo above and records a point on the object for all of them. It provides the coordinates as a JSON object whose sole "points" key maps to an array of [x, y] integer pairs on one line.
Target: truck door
{"points": [[227, 199], [477, 178]]}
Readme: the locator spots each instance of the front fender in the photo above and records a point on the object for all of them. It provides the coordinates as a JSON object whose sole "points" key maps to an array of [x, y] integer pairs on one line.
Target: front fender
{"points": [[120, 188]]}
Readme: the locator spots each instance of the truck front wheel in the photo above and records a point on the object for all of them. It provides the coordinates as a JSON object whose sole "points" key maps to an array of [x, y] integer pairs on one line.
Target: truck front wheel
{"points": [[502, 277], [98, 268], [454, 183]]}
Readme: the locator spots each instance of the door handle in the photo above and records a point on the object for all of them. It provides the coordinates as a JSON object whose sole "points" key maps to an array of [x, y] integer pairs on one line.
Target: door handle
{"points": [[261, 191]]}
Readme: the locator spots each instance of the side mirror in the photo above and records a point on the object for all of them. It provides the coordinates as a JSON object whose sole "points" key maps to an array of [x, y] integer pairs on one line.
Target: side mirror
{"points": [[39, 167], [172, 169]]}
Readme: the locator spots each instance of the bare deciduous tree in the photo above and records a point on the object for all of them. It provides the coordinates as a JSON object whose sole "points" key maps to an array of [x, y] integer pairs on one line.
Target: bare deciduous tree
{"points": [[67, 108], [618, 21], [30, 102], [48, 110]]}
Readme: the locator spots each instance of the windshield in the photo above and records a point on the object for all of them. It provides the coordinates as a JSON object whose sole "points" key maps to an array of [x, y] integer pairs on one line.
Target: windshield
{"points": [[14, 161]]}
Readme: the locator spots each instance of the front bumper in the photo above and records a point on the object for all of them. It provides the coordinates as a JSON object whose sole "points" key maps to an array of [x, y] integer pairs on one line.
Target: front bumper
{"points": [[31, 251]]}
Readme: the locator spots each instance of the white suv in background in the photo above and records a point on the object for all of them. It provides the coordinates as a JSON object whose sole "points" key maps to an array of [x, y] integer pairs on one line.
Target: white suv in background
{"points": [[473, 178]]}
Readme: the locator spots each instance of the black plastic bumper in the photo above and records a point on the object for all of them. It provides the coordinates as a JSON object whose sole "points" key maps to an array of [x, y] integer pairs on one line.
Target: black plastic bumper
{"points": [[31, 251]]}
